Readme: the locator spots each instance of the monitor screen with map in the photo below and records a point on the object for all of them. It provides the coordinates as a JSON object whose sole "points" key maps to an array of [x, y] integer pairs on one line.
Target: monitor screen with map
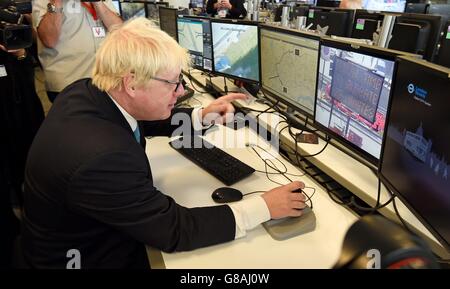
{"points": [[289, 61], [235, 49], [353, 90], [194, 34]]}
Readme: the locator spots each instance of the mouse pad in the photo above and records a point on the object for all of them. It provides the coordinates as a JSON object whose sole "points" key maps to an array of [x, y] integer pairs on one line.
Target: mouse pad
{"points": [[282, 229]]}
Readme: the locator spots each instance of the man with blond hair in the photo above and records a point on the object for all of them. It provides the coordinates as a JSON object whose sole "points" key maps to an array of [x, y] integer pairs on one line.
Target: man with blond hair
{"points": [[89, 188]]}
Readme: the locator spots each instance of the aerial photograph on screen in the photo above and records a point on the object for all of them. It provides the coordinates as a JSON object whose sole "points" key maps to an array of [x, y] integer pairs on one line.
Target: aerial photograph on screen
{"points": [[235, 49], [289, 67], [352, 96], [190, 35]]}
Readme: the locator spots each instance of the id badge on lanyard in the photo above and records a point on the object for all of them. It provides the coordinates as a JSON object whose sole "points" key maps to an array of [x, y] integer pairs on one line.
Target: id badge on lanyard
{"points": [[98, 30]]}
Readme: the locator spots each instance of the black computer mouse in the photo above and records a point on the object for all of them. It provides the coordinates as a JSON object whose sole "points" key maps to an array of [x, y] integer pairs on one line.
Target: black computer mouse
{"points": [[226, 195]]}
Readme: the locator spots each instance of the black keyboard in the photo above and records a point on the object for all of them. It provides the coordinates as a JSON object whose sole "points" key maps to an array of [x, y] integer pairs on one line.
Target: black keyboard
{"points": [[215, 161]]}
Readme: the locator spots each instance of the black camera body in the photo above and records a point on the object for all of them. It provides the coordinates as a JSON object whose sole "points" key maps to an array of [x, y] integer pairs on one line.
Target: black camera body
{"points": [[13, 33]]}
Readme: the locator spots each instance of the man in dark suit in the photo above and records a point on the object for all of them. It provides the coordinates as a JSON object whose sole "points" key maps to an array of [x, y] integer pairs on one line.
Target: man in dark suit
{"points": [[90, 200]]}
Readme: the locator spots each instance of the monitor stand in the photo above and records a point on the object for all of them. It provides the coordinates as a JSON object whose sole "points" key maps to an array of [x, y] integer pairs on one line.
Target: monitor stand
{"points": [[282, 229]]}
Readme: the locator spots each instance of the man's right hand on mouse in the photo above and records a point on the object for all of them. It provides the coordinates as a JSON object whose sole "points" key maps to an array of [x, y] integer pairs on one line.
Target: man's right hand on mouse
{"points": [[282, 202]]}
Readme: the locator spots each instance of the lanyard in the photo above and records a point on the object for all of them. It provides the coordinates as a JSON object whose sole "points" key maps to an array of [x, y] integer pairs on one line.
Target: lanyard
{"points": [[90, 9]]}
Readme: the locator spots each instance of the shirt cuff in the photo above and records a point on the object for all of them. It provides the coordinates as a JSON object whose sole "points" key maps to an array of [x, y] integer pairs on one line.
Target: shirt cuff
{"points": [[248, 214], [196, 120]]}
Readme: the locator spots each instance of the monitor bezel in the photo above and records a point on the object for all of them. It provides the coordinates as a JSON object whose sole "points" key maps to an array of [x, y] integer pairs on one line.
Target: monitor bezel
{"points": [[358, 48], [157, 4], [360, 13], [236, 21], [210, 29], [444, 73], [294, 32], [176, 17]]}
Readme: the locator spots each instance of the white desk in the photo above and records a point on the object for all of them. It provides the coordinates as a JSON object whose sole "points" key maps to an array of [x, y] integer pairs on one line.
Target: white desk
{"points": [[190, 186], [347, 171]]}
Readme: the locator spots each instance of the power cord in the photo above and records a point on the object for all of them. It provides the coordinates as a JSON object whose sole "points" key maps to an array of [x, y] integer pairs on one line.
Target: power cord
{"points": [[269, 163]]}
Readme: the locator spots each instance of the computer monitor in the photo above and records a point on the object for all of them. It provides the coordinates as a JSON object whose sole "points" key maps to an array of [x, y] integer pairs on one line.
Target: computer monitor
{"points": [[299, 10], [339, 21], [236, 49], [444, 51], [353, 91], [194, 34], [366, 23], [415, 161], [416, 33], [289, 60], [116, 5], [130, 10], [153, 9], [416, 8], [196, 4], [168, 20], [384, 5]]}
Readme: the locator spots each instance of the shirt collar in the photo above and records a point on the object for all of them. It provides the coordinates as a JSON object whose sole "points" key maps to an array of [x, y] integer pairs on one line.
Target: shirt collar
{"points": [[131, 120]]}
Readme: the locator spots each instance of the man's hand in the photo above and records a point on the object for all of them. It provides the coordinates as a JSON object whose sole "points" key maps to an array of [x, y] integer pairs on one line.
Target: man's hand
{"points": [[225, 4], [283, 202], [15, 52], [221, 110]]}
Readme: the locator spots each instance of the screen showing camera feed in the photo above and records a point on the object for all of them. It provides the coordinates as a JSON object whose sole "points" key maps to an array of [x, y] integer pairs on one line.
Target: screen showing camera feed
{"points": [[194, 34], [289, 67], [235, 50], [353, 93], [384, 5], [416, 155], [132, 10]]}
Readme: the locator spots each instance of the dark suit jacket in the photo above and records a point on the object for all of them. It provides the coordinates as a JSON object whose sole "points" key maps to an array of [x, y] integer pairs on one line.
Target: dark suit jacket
{"points": [[238, 10], [89, 187]]}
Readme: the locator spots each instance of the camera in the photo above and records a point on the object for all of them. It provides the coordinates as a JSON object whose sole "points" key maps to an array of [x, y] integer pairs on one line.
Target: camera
{"points": [[14, 34]]}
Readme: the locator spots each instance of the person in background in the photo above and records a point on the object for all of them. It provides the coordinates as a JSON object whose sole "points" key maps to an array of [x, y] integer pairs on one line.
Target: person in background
{"points": [[226, 8], [21, 114], [93, 193], [350, 4], [69, 34]]}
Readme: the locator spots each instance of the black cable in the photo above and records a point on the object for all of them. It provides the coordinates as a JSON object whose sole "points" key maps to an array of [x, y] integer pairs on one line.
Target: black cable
{"points": [[225, 87], [192, 84], [377, 205], [254, 192], [400, 217], [267, 163]]}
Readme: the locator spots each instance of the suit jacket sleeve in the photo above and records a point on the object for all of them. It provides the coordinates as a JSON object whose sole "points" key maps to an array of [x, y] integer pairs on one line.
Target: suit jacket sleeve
{"points": [[115, 189]]}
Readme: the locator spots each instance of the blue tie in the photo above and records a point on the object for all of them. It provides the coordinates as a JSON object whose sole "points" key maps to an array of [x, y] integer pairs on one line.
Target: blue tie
{"points": [[137, 134]]}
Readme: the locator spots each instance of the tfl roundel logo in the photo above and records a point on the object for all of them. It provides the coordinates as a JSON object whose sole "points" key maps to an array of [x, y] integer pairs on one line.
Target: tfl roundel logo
{"points": [[411, 88]]}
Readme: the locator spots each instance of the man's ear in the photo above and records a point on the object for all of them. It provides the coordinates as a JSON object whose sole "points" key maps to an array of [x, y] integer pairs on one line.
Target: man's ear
{"points": [[129, 85]]}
